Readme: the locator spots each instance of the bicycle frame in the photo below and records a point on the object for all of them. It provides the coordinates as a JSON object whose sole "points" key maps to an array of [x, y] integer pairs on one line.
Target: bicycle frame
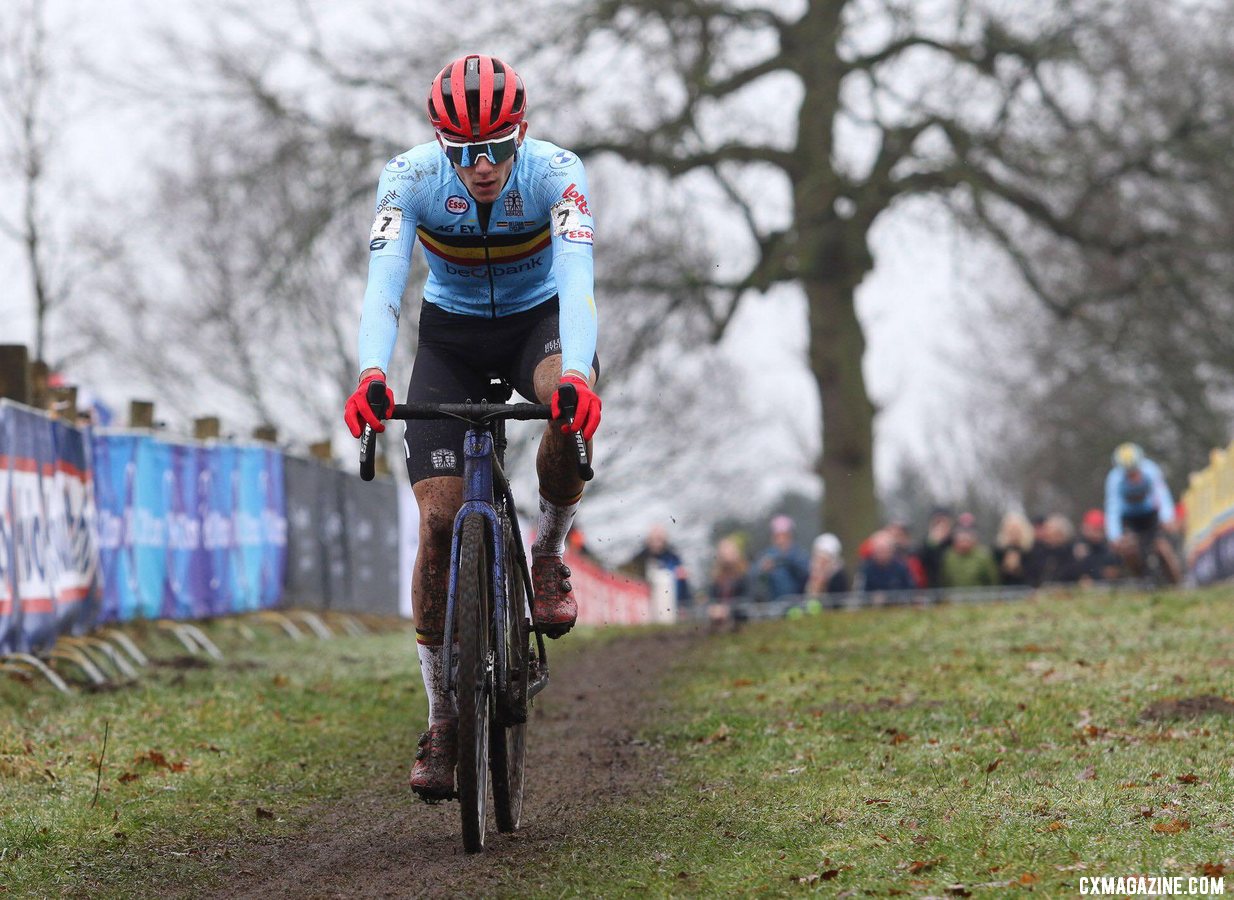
{"points": [[482, 476]]}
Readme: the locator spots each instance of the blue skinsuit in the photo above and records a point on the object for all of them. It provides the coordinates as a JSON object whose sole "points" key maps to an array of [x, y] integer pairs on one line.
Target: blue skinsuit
{"points": [[1124, 497], [538, 244]]}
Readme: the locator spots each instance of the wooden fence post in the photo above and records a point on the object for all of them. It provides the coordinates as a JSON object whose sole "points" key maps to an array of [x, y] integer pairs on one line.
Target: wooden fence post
{"points": [[207, 427], [322, 451], [266, 433], [141, 414], [15, 373], [40, 376]]}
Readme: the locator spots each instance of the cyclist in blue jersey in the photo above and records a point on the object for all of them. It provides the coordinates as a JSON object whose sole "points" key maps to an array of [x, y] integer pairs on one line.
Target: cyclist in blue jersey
{"points": [[1137, 503], [507, 229]]}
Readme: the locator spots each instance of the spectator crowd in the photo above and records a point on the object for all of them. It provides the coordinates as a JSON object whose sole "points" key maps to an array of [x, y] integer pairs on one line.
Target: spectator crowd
{"points": [[950, 554]]}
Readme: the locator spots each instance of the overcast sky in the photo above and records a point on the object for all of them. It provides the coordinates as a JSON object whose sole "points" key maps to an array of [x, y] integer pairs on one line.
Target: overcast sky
{"points": [[909, 304]]}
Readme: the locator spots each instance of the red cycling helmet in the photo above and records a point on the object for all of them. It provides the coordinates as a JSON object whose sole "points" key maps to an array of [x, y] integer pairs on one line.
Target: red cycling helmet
{"points": [[476, 97]]}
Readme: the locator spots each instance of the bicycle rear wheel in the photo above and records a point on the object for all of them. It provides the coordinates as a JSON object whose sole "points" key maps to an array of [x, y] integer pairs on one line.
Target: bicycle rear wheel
{"points": [[508, 743], [474, 687]]}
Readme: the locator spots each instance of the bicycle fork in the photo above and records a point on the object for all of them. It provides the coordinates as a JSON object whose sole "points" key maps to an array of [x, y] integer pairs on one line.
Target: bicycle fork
{"points": [[477, 498]]}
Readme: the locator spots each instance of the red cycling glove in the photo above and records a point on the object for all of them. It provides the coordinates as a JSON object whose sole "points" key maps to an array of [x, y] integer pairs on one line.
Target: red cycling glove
{"points": [[357, 413], [586, 414]]}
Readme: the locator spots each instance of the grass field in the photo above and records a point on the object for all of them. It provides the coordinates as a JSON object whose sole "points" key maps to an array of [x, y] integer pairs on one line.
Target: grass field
{"points": [[950, 751], [194, 756]]}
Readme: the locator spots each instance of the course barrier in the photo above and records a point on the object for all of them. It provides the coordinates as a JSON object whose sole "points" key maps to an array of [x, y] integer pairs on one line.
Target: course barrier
{"points": [[1209, 503], [605, 598], [116, 525], [343, 551], [48, 552], [187, 530]]}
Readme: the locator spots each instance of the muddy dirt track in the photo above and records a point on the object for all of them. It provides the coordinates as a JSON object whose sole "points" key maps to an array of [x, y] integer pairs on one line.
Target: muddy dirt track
{"points": [[581, 754]]}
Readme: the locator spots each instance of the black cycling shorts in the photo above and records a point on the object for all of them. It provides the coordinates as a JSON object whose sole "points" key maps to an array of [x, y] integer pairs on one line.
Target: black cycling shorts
{"points": [[1141, 523], [455, 358]]}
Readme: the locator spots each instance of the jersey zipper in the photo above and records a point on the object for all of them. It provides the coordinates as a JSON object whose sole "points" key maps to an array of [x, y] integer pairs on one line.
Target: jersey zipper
{"points": [[492, 286], [488, 264]]}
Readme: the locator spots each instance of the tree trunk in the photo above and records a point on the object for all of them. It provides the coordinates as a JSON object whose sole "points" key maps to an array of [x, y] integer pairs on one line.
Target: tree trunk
{"points": [[847, 466]]}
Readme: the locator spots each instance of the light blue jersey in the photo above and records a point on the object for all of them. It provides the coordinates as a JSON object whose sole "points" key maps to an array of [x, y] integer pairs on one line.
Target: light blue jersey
{"points": [[1127, 496], [537, 244]]}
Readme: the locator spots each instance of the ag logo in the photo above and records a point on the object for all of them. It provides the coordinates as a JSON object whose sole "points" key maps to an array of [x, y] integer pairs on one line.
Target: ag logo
{"points": [[398, 165], [457, 205], [561, 159], [443, 459]]}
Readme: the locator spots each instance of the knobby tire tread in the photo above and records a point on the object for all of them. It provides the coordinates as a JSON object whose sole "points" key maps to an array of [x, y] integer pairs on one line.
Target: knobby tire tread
{"points": [[473, 695], [508, 744]]}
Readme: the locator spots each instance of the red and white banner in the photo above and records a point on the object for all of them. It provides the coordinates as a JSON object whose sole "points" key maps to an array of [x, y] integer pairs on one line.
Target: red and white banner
{"points": [[606, 598]]}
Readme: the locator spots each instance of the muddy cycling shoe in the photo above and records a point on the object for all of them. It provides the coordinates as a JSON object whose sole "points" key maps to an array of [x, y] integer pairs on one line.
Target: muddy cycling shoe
{"points": [[432, 776], [552, 608]]}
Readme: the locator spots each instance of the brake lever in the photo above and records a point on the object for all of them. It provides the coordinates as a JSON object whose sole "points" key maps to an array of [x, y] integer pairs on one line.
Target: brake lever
{"points": [[377, 401], [567, 397]]}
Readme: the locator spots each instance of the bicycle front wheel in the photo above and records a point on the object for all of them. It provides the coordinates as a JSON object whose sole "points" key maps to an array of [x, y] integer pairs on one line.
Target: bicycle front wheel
{"points": [[474, 600], [508, 744]]}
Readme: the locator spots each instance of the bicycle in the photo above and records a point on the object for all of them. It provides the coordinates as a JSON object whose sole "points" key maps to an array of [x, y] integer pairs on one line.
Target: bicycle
{"points": [[1147, 561], [502, 663]]}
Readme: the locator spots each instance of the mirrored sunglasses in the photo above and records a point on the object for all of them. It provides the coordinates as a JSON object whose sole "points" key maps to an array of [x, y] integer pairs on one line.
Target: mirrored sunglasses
{"points": [[468, 154]]}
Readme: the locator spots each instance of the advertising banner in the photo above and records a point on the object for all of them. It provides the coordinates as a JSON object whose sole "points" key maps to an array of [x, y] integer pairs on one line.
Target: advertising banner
{"points": [[605, 598], [343, 545], [371, 514], [48, 552], [186, 530]]}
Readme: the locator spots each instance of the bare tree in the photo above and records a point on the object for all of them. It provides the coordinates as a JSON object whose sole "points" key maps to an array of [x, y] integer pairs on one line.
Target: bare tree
{"points": [[1132, 345], [833, 110], [30, 130]]}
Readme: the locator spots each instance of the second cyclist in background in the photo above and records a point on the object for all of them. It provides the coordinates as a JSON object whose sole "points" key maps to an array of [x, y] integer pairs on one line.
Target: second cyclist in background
{"points": [[1137, 504]]}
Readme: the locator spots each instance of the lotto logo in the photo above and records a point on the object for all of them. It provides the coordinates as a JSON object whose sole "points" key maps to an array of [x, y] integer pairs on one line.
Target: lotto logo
{"points": [[580, 200], [457, 205]]}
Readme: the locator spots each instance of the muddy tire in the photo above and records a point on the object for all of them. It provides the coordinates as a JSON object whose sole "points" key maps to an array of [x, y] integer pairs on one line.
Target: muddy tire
{"points": [[473, 685], [508, 744]]}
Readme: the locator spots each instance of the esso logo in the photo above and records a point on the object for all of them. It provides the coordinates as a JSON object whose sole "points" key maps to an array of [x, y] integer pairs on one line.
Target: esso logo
{"points": [[457, 205]]}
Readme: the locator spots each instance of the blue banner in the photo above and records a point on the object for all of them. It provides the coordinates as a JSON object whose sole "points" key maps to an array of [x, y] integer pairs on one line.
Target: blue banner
{"points": [[48, 551], [188, 531]]}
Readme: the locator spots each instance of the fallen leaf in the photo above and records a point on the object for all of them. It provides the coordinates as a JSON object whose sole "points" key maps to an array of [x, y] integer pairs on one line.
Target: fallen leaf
{"points": [[742, 682], [280, 680], [1188, 779], [264, 813], [1155, 775], [871, 801], [1055, 826], [1027, 878], [1214, 870], [1089, 774], [899, 737], [958, 890], [828, 874], [153, 757], [128, 777], [920, 865], [994, 765], [720, 734], [1174, 826]]}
